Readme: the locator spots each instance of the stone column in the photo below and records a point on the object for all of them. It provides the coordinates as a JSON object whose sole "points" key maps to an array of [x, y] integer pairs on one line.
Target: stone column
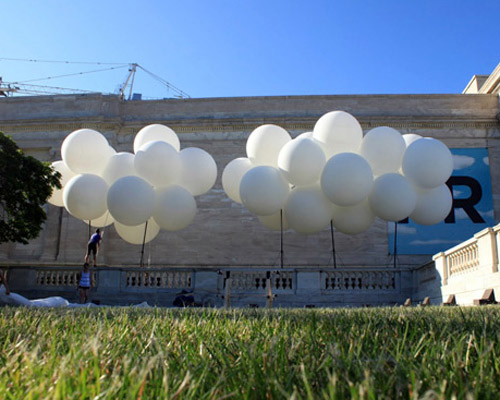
{"points": [[487, 249], [441, 266]]}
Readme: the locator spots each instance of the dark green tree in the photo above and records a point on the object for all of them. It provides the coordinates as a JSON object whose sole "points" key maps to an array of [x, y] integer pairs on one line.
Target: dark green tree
{"points": [[25, 185]]}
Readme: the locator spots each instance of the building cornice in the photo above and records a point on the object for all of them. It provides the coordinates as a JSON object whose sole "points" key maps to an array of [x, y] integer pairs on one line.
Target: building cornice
{"points": [[237, 124]]}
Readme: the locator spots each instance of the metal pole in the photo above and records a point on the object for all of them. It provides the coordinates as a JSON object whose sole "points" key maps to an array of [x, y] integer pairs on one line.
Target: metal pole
{"points": [[395, 242], [269, 290], [227, 293], [59, 231], [333, 245], [143, 243], [281, 238]]}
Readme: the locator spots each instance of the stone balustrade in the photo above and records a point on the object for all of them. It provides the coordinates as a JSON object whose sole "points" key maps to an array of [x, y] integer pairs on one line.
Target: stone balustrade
{"points": [[299, 286], [166, 279], [256, 280], [59, 277], [464, 259], [359, 280], [471, 267]]}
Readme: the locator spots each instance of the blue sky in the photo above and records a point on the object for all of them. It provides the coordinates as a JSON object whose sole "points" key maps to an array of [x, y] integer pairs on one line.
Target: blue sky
{"points": [[221, 48]]}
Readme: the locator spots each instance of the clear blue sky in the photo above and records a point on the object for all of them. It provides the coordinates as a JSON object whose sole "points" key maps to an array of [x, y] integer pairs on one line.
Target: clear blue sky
{"points": [[216, 48]]}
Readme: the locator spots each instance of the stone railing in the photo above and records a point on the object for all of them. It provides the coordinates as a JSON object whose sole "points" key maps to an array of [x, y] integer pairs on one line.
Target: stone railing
{"points": [[256, 280], [464, 259], [359, 280], [298, 286], [481, 251], [59, 277], [165, 279]]}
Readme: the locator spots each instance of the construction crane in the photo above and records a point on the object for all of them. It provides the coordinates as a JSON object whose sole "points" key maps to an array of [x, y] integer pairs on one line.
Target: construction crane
{"points": [[8, 89]]}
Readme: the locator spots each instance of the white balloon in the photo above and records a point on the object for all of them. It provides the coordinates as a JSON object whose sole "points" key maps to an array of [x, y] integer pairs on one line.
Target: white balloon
{"points": [[101, 222], [85, 151], [118, 166], [158, 163], [347, 179], [263, 190], [85, 196], [131, 200], [409, 138], [392, 197], [156, 132], [427, 163], [111, 151], [135, 234], [56, 198], [274, 221], [433, 205], [308, 210], [383, 148], [308, 135], [338, 132], [265, 143], [232, 175], [175, 208], [301, 161], [198, 170], [354, 219]]}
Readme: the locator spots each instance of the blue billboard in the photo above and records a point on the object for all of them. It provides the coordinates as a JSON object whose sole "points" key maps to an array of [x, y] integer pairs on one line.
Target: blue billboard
{"points": [[472, 209]]}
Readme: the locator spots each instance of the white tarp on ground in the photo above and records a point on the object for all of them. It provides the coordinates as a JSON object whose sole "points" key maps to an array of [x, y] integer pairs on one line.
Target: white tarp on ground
{"points": [[14, 299]]}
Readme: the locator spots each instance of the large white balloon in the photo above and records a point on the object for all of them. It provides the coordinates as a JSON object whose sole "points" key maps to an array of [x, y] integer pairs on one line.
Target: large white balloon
{"points": [[85, 151], [392, 197], [428, 163], [409, 138], [232, 175], [263, 190], [131, 200], [198, 170], [347, 179], [354, 219], [308, 135], [56, 198], [338, 132], [433, 205], [85, 196], [264, 144], [383, 148], [101, 222], [156, 132], [308, 210], [275, 221], [135, 234], [175, 208], [301, 161], [118, 166], [158, 163]]}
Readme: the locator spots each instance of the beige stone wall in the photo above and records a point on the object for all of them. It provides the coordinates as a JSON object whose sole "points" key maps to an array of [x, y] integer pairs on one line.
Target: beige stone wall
{"points": [[224, 233]]}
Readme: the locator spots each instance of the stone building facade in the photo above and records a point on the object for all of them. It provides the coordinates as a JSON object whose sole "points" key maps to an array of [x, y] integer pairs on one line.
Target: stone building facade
{"points": [[224, 234]]}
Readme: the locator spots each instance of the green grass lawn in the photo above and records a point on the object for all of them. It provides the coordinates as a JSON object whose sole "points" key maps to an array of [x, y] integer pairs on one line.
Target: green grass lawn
{"points": [[127, 353]]}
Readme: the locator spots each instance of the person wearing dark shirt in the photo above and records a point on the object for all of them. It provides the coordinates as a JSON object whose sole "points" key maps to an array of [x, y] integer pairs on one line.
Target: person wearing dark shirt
{"points": [[93, 246]]}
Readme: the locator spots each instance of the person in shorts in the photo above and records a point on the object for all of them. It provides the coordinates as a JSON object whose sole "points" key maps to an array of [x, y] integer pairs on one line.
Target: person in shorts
{"points": [[93, 246], [85, 283]]}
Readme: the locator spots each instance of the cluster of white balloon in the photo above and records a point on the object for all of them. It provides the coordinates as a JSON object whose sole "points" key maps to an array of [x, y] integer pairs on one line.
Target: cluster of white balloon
{"points": [[155, 186], [335, 174]]}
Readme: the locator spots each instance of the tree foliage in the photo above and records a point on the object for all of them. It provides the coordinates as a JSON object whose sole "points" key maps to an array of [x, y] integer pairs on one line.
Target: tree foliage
{"points": [[25, 185]]}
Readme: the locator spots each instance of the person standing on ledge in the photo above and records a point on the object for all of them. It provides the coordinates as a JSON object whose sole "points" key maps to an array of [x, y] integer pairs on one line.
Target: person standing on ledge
{"points": [[93, 246]]}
